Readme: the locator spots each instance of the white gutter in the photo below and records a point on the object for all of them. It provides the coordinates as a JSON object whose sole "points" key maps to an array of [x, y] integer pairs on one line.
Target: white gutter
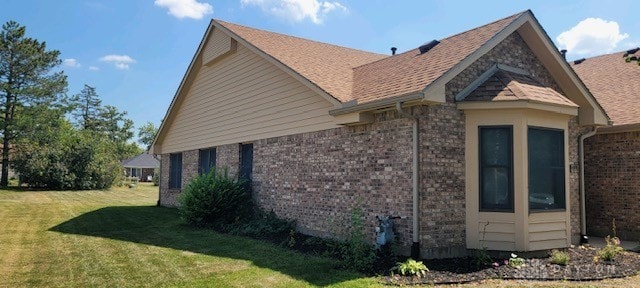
{"points": [[583, 200], [415, 246]]}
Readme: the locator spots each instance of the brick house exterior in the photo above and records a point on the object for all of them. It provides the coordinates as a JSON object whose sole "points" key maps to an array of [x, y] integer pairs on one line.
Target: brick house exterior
{"points": [[318, 177], [612, 155]]}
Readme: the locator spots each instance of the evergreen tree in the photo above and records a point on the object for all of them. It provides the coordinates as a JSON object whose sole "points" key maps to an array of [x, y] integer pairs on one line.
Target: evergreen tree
{"points": [[87, 107], [27, 84]]}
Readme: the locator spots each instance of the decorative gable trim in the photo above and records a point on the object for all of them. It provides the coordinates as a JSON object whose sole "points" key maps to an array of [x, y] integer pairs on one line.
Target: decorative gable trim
{"points": [[485, 76]]}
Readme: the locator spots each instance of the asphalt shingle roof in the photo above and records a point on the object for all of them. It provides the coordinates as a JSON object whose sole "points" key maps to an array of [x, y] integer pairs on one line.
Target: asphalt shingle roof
{"points": [[348, 74], [143, 160], [615, 84]]}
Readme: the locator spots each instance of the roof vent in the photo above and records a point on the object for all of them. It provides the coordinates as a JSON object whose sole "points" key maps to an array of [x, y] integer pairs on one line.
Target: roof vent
{"points": [[578, 61], [632, 51], [393, 50], [563, 52], [426, 47]]}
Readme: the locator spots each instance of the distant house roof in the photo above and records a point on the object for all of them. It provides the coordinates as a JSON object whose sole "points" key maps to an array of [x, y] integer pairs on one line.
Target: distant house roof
{"points": [[143, 160], [615, 83]]}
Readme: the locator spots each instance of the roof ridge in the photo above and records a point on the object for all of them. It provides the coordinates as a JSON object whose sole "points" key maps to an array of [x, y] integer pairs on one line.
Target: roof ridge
{"points": [[454, 35], [608, 54], [223, 23]]}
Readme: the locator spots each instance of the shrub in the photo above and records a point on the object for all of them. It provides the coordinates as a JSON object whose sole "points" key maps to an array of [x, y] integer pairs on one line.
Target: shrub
{"points": [[412, 268], [264, 225], [63, 158], [559, 257], [156, 177], [215, 199], [611, 249]]}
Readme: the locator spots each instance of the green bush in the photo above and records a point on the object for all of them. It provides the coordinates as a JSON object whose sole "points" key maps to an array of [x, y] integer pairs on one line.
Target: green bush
{"points": [[215, 199], [63, 158]]}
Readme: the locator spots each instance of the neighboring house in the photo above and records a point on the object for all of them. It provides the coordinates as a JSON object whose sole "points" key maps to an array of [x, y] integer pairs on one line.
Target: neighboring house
{"points": [[612, 156], [141, 166], [472, 140]]}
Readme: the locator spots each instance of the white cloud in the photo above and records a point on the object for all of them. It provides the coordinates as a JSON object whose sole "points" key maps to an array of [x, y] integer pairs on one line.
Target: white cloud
{"points": [[70, 62], [120, 61], [185, 8], [94, 68], [297, 10], [591, 36]]}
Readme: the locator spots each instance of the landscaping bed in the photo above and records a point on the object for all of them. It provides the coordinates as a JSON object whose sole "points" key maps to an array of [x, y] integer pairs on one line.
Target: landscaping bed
{"points": [[581, 267]]}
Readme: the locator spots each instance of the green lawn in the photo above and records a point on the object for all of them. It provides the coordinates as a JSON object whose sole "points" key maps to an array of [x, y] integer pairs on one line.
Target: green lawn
{"points": [[119, 238]]}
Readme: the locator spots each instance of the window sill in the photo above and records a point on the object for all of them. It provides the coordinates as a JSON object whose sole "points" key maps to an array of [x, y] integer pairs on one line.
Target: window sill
{"points": [[536, 211]]}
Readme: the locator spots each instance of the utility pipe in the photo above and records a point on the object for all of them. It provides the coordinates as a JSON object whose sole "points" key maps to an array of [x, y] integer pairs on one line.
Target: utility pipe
{"points": [[415, 246], [583, 216]]}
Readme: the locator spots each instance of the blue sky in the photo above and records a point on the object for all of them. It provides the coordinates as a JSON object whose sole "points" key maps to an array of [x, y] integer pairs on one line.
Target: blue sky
{"points": [[136, 52]]}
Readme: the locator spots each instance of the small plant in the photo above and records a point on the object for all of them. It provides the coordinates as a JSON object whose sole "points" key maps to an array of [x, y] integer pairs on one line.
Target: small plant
{"points": [[559, 257], [481, 258], [611, 249], [411, 268], [356, 253], [516, 262]]}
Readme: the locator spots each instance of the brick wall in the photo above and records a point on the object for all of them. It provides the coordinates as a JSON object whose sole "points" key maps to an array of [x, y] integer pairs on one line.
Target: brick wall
{"points": [[168, 197], [612, 174], [319, 177]]}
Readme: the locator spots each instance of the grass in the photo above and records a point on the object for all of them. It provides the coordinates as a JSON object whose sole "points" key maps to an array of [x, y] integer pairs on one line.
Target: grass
{"points": [[119, 238]]}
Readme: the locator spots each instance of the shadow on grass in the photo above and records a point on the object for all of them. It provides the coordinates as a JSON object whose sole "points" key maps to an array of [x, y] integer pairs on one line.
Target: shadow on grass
{"points": [[162, 227]]}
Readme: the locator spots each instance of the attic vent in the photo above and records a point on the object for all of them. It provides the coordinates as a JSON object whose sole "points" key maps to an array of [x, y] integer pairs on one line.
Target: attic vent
{"points": [[632, 51], [578, 61], [426, 47]]}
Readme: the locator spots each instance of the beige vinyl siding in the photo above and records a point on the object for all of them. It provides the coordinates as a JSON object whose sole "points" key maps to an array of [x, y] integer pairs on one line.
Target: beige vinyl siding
{"points": [[243, 98], [218, 45], [497, 235], [547, 230]]}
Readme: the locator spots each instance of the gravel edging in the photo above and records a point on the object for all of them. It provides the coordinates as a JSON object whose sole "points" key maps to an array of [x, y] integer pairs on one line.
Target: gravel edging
{"points": [[581, 267]]}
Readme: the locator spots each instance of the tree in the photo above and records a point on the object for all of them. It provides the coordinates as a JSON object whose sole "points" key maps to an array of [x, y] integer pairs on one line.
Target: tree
{"points": [[59, 156], [105, 122], [87, 107], [146, 134], [118, 129], [27, 84]]}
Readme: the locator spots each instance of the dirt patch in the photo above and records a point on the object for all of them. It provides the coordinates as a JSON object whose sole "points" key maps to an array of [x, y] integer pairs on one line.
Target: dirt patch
{"points": [[581, 267]]}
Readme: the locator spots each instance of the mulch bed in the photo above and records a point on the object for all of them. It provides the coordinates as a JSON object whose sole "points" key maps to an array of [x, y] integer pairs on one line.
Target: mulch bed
{"points": [[581, 267]]}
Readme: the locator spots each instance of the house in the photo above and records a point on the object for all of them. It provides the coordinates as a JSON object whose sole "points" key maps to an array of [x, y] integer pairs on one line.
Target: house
{"points": [[472, 140], [612, 154], [141, 166]]}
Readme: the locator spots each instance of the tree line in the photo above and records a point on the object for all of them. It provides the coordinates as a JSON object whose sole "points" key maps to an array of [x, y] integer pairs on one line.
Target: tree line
{"points": [[50, 139]]}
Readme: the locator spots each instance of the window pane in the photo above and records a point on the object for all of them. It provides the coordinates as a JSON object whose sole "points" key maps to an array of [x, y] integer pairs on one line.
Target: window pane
{"points": [[546, 169], [495, 188], [495, 146], [207, 160], [496, 157], [175, 170]]}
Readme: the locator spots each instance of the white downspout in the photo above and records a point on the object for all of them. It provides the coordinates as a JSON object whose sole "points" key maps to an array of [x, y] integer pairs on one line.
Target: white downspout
{"points": [[415, 246], [583, 217]]}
